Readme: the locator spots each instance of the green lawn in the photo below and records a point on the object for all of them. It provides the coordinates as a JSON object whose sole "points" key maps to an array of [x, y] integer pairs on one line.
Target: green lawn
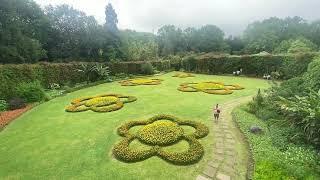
{"points": [[49, 143]]}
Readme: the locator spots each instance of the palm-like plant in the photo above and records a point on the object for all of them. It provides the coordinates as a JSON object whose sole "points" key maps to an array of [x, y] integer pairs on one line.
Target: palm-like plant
{"points": [[102, 71], [87, 70]]}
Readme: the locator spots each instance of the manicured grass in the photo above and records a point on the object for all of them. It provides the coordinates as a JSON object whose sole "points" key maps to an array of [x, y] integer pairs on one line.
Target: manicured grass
{"points": [[48, 142]]}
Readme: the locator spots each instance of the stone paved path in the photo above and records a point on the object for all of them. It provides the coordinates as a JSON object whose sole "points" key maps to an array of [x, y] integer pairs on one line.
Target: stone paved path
{"points": [[230, 154]]}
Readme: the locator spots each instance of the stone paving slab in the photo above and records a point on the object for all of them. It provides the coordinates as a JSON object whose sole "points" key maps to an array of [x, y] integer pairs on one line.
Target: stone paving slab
{"points": [[221, 176], [210, 171], [202, 178]]}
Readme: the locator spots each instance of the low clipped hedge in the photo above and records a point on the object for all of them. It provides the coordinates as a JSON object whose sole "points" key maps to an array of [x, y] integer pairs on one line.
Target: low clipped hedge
{"points": [[61, 73], [217, 88], [157, 139], [288, 65], [102, 103], [140, 81]]}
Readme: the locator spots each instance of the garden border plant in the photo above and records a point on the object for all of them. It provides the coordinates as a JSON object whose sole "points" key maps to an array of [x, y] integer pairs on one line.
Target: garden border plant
{"points": [[101, 103], [140, 81], [220, 89], [271, 161], [158, 138]]}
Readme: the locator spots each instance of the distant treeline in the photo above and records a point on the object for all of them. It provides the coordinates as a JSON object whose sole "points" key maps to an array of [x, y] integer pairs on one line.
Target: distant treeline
{"points": [[29, 34]]}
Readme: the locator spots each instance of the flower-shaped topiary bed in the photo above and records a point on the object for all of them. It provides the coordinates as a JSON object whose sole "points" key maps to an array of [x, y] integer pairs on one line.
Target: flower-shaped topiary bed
{"points": [[102, 103], [159, 132], [183, 75], [140, 81], [209, 87]]}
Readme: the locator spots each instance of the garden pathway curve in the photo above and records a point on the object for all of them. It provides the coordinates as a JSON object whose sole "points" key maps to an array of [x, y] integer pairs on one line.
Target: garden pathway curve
{"points": [[230, 154]]}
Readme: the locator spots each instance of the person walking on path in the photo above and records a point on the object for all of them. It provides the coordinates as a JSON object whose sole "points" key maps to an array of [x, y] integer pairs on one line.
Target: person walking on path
{"points": [[216, 112]]}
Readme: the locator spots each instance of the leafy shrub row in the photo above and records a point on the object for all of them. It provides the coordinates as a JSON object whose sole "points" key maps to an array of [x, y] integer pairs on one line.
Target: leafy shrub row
{"points": [[156, 140], [275, 157], [62, 74], [102, 103], [31, 91]]}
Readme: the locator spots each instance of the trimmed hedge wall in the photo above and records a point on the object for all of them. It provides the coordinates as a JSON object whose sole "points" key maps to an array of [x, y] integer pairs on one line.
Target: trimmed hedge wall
{"points": [[63, 73], [288, 66]]}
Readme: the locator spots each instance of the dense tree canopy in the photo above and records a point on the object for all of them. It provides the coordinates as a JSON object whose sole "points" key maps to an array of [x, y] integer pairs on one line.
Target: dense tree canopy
{"points": [[30, 34], [22, 26], [111, 18], [138, 46], [267, 34]]}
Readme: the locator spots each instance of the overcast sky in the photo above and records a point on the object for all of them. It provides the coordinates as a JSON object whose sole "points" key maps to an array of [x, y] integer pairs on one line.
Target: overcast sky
{"points": [[232, 16]]}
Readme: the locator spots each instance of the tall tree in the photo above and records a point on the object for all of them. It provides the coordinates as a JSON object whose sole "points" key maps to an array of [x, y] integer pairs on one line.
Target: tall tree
{"points": [[73, 34], [111, 18], [139, 46], [210, 38], [170, 40]]}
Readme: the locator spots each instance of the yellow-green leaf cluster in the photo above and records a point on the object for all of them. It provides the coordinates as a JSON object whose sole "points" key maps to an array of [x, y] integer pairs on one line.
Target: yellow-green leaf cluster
{"points": [[218, 88], [102, 103], [183, 75], [140, 81]]}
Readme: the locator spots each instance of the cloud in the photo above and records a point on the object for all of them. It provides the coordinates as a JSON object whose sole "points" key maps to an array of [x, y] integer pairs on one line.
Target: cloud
{"points": [[231, 15]]}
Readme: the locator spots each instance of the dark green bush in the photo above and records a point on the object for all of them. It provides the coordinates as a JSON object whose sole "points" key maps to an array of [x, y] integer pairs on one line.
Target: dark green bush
{"points": [[312, 76], [147, 68], [16, 103], [266, 114], [303, 113], [31, 91], [3, 105]]}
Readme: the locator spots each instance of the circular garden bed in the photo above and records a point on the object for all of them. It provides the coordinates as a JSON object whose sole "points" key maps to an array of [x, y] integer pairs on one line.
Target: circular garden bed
{"points": [[102, 103], [209, 87], [159, 132]]}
